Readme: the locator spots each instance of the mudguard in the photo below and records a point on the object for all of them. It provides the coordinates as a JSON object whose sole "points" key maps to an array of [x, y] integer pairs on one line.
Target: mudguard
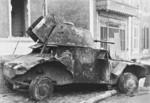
{"points": [[23, 64], [118, 67]]}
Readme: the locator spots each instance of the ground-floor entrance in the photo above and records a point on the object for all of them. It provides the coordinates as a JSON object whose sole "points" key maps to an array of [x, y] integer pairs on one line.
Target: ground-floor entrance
{"points": [[113, 29]]}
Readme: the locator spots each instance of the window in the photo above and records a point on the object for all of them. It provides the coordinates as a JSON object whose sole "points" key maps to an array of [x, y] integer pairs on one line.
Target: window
{"points": [[112, 31], [135, 38], [18, 17], [135, 3], [128, 2], [122, 39], [146, 38], [104, 37]]}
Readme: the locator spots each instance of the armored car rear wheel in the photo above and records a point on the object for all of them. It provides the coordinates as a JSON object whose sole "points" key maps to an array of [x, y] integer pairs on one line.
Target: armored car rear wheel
{"points": [[41, 88], [128, 83]]}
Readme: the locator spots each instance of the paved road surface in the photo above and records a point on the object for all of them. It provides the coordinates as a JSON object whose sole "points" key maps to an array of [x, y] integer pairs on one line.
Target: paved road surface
{"points": [[143, 96], [64, 94]]}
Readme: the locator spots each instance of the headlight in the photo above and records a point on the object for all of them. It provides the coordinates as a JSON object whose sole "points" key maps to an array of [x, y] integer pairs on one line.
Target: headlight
{"points": [[17, 67]]}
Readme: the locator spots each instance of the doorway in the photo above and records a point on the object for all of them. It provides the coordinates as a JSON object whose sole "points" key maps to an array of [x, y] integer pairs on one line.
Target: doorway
{"points": [[18, 17]]}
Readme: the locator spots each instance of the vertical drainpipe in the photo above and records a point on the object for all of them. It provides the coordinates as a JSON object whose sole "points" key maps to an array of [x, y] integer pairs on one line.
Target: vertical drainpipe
{"points": [[10, 19], [98, 28], [91, 10], [107, 36], [29, 12], [94, 21], [45, 8], [129, 38]]}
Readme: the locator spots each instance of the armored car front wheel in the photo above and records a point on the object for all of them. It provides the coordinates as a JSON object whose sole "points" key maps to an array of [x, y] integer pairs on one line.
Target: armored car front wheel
{"points": [[128, 83], [41, 88]]}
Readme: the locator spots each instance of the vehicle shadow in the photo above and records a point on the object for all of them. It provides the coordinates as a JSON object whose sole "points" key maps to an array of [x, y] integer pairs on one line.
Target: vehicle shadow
{"points": [[82, 88]]}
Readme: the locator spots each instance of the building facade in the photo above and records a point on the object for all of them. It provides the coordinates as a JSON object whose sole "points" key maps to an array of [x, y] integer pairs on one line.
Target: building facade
{"points": [[140, 30], [16, 17], [124, 22]]}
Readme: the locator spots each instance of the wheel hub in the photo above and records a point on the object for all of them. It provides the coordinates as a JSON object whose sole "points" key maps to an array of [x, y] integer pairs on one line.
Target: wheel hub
{"points": [[43, 90], [131, 83]]}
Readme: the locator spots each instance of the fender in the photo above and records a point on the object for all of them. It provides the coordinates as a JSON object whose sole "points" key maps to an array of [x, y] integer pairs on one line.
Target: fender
{"points": [[137, 68], [23, 64], [119, 68]]}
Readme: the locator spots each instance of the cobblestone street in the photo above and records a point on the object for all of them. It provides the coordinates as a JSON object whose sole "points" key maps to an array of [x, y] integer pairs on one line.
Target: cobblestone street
{"points": [[65, 94], [77, 96], [141, 97]]}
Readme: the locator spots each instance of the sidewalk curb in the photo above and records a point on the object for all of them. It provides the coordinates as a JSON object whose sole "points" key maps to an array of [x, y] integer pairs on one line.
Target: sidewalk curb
{"points": [[101, 97]]}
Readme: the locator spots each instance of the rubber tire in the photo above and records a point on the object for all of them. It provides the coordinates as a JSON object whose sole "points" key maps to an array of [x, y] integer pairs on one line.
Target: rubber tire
{"points": [[41, 84], [128, 83]]}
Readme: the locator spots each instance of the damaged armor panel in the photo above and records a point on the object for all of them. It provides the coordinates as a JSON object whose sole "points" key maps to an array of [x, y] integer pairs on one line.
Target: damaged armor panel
{"points": [[63, 33], [41, 28], [66, 34]]}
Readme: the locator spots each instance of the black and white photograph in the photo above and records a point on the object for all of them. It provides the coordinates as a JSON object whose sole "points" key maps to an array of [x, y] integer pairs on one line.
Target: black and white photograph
{"points": [[74, 51]]}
